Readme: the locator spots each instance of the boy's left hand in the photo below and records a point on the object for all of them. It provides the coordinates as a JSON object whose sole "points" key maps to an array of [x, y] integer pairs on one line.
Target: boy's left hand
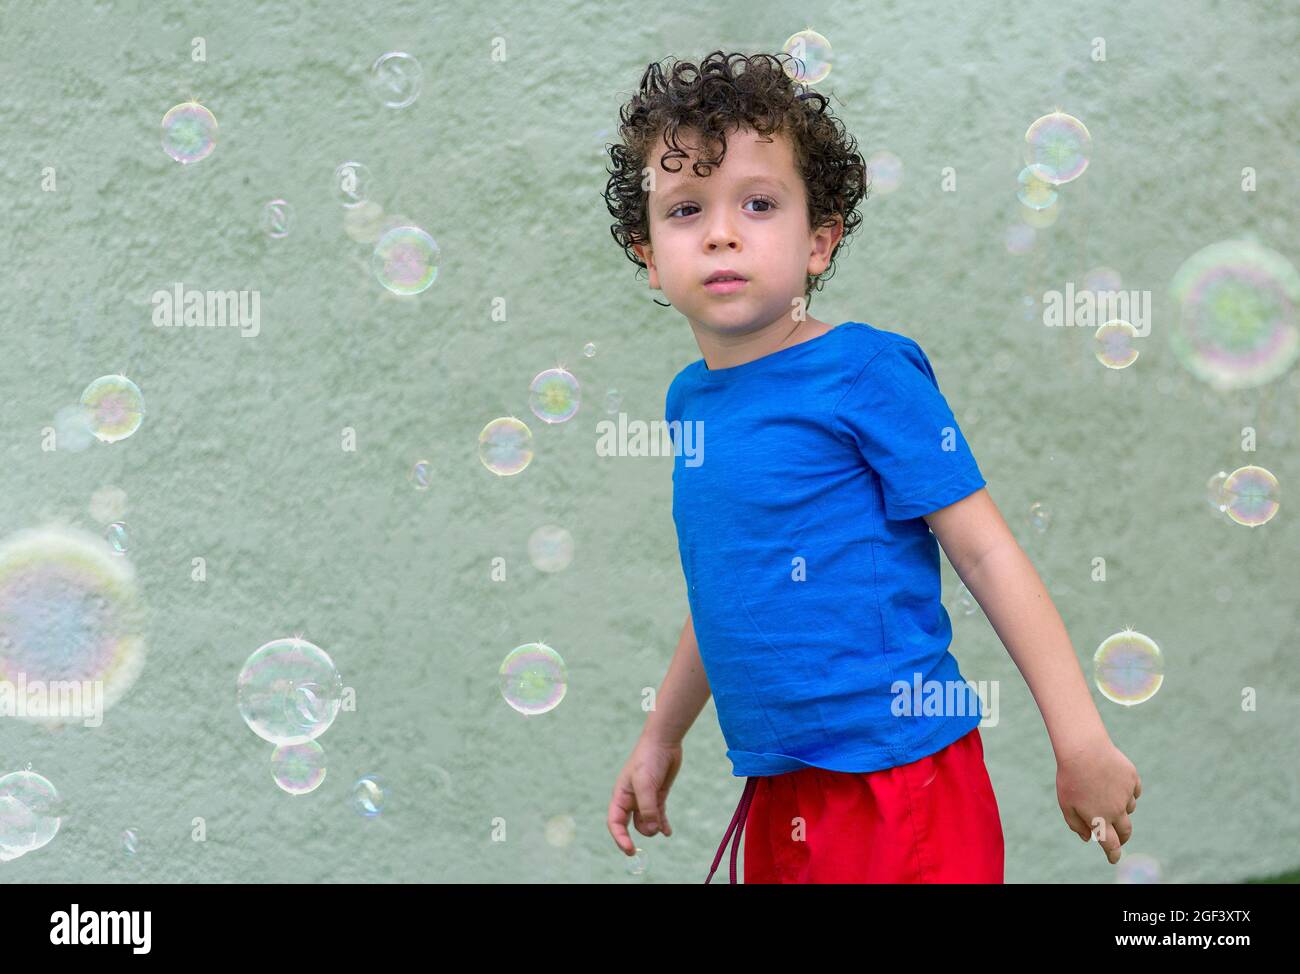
{"points": [[1097, 788]]}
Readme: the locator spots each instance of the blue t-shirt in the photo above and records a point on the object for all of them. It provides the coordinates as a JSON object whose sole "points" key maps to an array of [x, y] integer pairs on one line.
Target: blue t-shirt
{"points": [[813, 580]]}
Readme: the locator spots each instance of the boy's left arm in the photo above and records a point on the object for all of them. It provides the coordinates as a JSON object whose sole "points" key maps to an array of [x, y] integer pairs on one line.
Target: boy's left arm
{"points": [[1096, 785]]}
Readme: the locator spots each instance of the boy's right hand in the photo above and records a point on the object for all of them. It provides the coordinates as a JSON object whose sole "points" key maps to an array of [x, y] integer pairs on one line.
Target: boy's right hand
{"points": [[642, 791]]}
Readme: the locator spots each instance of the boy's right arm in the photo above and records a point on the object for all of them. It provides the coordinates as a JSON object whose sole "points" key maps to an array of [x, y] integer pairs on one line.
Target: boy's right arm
{"points": [[683, 694]]}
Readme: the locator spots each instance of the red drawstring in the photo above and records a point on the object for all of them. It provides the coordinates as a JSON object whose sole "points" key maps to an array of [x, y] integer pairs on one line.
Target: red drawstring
{"points": [[737, 823]]}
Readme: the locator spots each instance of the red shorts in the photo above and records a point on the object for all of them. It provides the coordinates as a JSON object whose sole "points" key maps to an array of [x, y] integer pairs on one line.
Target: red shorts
{"points": [[932, 821]]}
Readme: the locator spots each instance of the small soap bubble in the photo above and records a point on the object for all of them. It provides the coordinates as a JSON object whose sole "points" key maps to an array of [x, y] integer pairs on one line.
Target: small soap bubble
{"points": [[505, 446], [1060, 144], [553, 396], [1214, 492], [533, 678], [289, 691], [886, 171], [1113, 344], [72, 430], [396, 78], [1250, 496], [550, 548], [1102, 279], [421, 474], [636, 865], [116, 536], [29, 812], [352, 183], [613, 399], [1137, 867], [405, 260], [589, 349], [811, 54], [299, 769], [1128, 668], [114, 407], [1036, 189], [1041, 219], [1039, 516], [277, 217], [964, 602], [560, 830], [189, 133], [368, 796], [131, 841]]}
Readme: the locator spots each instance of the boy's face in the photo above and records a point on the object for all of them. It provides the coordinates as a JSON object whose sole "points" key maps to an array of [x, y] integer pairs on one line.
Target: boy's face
{"points": [[749, 215]]}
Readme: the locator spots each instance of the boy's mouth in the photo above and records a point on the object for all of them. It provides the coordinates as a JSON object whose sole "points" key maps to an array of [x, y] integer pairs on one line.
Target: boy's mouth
{"points": [[724, 282]]}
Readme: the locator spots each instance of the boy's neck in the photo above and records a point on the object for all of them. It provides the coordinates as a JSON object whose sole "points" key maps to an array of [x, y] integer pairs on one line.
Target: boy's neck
{"points": [[722, 350]]}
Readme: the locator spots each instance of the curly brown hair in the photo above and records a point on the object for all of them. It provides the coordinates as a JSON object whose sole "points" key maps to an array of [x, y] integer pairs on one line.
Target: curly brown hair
{"points": [[712, 98]]}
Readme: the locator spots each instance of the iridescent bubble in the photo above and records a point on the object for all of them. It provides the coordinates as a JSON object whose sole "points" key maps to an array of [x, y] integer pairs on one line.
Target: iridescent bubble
{"points": [[352, 183], [116, 536], [964, 602], [1237, 323], [1036, 189], [396, 78], [553, 395], [1128, 668], [298, 769], [1039, 516], [560, 830], [29, 812], [1250, 496], [405, 260], [1214, 492], [1137, 868], [813, 57], [72, 429], [368, 796], [1061, 144], [886, 171], [1113, 344], [550, 548], [589, 349], [108, 504], [68, 611], [613, 399], [289, 691], [277, 218], [131, 841], [533, 678], [421, 474], [189, 132], [1020, 238], [364, 222], [114, 407], [1102, 279], [505, 446], [636, 864]]}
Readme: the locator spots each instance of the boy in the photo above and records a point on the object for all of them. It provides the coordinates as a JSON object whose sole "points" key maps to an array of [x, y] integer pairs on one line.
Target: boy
{"points": [[807, 529]]}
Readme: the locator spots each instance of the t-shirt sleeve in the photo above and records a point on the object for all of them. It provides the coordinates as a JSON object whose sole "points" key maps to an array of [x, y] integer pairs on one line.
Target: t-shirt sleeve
{"points": [[900, 422]]}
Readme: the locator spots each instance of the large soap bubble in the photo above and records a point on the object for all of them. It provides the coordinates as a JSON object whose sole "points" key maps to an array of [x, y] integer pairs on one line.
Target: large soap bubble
{"points": [[289, 691], [29, 813]]}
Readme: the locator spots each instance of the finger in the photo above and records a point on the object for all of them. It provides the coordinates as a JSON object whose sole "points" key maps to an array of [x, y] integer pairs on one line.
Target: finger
{"points": [[1137, 789], [1076, 824], [1123, 828], [647, 803], [1132, 804], [1108, 839], [619, 811]]}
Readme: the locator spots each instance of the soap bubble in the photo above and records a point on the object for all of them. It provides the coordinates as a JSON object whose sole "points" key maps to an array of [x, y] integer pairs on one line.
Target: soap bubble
{"points": [[29, 812], [505, 446], [1041, 219], [298, 768], [289, 691], [1020, 238], [420, 474], [116, 536], [72, 428], [368, 796], [550, 548], [613, 399], [1214, 492], [886, 171], [405, 260], [1060, 144], [1113, 344], [364, 222], [352, 183], [1137, 867], [1036, 189], [636, 865], [589, 349], [69, 612], [277, 217], [1237, 324], [553, 396], [396, 78], [1250, 496], [533, 678], [812, 53], [1128, 668], [114, 407], [1039, 516], [189, 133], [1102, 279], [131, 841]]}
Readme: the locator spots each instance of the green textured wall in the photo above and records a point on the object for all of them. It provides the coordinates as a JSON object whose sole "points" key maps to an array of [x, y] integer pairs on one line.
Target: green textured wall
{"points": [[239, 460]]}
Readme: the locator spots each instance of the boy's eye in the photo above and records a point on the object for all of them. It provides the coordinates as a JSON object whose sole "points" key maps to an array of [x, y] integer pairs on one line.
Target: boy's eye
{"points": [[753, 199]]}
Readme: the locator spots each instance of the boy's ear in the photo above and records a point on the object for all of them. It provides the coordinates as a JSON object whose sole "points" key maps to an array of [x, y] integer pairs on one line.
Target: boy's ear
{"points": [[646, 253]]}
